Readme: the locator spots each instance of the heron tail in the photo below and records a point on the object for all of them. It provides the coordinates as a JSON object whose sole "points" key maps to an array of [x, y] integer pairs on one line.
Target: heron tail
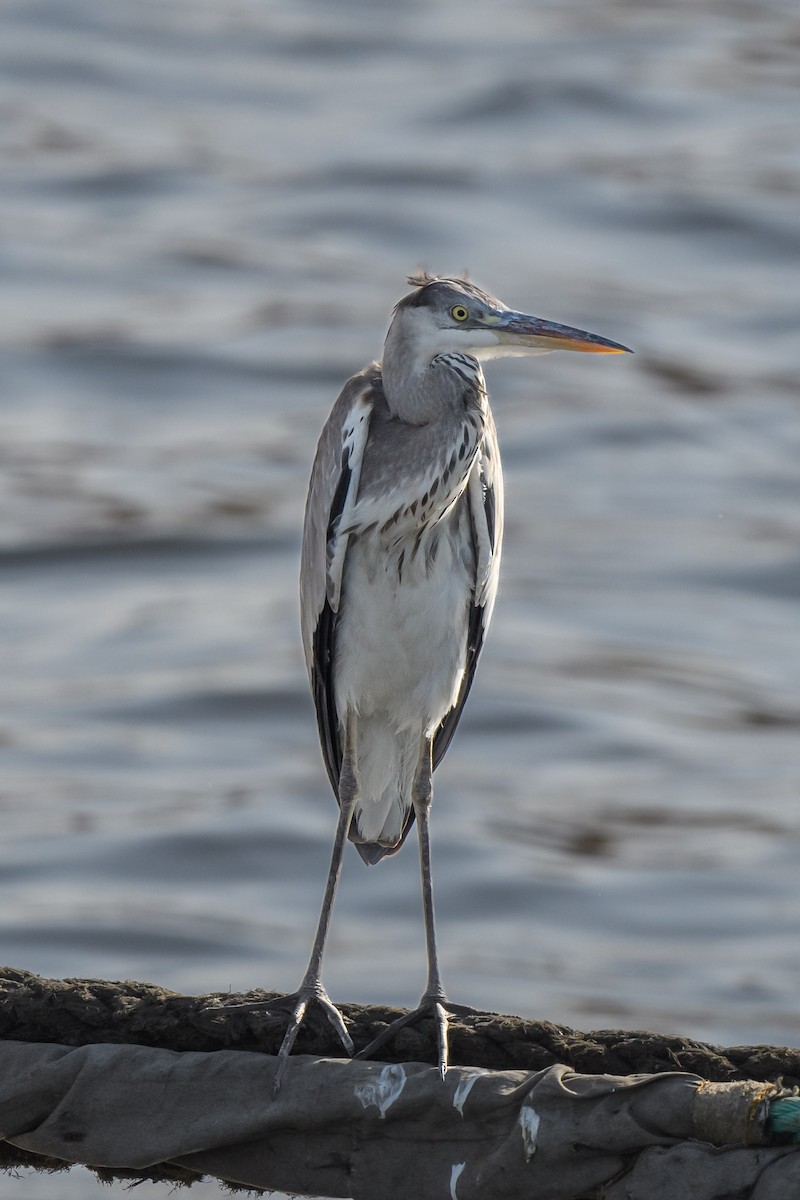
{"points": [[386, 764]]}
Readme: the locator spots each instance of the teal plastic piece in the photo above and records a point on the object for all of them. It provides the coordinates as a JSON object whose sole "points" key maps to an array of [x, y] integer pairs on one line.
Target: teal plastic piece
{"points": [[784, 1117]]}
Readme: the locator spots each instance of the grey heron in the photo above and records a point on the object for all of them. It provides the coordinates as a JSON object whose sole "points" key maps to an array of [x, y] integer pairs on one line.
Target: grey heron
{"points": [[400, 564]]}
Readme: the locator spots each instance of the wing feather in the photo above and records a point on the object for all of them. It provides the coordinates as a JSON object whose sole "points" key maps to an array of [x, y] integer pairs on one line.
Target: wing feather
{"points": [[485, 500], [332, 495]]}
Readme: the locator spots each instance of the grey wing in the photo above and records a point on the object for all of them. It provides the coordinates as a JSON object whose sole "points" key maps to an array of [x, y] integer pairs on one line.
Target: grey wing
{"points": [[332, 495], [485, 499]]}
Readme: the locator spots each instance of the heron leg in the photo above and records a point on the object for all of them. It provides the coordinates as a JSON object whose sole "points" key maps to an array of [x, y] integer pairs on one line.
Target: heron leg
{"points": [[434, 999], [311, 989]]}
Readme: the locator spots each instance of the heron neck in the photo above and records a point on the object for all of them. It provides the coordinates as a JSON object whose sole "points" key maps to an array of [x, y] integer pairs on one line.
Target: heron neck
{"points": [[421, 392]]}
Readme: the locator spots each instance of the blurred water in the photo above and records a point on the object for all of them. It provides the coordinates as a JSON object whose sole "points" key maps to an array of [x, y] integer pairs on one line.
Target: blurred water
{"points": [[208, 211]]}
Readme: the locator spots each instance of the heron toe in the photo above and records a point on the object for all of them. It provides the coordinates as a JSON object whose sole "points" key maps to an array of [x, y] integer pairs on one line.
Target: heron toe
{"points": [[431, 1005]]}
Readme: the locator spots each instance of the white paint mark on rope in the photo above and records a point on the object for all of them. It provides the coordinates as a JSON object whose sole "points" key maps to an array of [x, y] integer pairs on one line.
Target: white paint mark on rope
{"points": [[529, 1121], [465, 1087], [383, 1091], [454, 1177]]}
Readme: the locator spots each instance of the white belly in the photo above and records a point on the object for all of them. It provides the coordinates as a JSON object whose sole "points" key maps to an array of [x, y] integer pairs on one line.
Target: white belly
{"points": [[401, 637]]}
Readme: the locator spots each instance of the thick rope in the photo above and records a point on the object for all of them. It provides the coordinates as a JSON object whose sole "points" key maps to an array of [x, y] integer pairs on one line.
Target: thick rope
{"points": [[78, 1012]]}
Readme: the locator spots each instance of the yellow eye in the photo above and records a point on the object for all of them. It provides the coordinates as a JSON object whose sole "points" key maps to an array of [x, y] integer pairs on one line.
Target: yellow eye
{"points": [[459, 313]]}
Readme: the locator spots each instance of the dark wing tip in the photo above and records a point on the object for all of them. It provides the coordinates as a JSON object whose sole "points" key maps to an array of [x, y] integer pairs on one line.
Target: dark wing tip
{"points": [[324, 702], [371, 852], [444, 734]]}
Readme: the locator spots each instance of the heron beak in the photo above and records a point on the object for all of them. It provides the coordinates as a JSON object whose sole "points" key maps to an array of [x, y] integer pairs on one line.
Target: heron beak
{"points": [[536, 336]]}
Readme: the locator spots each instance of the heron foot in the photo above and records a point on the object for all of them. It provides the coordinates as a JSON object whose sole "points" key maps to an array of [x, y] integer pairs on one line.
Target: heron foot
{"points": [[310, 992], [296, 1004], [434, 1005]]}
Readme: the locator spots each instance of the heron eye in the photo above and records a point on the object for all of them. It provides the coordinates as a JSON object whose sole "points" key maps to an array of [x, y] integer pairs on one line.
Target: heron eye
{"points": [[459, 313]]}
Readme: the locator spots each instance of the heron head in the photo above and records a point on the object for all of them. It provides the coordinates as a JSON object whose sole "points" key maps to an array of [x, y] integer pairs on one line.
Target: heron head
{"points": [[445, 316]]}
